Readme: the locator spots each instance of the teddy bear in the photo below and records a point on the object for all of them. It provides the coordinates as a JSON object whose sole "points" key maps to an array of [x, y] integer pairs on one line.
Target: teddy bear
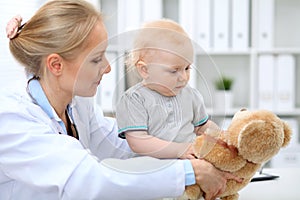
{"points": [[252, 139]]}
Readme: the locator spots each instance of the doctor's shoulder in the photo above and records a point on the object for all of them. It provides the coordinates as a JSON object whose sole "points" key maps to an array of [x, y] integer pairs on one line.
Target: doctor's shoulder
{"points": [[14, 100]]}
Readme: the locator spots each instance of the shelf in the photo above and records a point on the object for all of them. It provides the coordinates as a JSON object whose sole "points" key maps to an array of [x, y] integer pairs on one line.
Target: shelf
{"points": [[293, 113], [229, 52], [230, 112], [280, 51], [250, 51]]}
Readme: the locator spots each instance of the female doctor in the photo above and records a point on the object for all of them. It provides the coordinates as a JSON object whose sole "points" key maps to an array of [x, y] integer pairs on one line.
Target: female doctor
{"points": [[55, 144]]}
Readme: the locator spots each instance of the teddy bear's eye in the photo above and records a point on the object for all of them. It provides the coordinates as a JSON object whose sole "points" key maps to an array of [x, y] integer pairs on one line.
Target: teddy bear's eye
{"points": [[243, 109]]}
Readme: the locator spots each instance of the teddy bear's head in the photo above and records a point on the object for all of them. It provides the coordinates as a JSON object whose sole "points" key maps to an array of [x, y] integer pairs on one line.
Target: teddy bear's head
{"points": [[258, 135]]}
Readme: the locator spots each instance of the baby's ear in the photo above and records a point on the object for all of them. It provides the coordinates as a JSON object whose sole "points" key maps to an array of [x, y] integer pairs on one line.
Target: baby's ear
{"points": [[142, 69]]}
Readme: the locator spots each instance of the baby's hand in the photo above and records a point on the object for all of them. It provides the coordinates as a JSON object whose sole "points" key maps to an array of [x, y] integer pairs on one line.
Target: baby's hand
{"points": [[189, 153]]}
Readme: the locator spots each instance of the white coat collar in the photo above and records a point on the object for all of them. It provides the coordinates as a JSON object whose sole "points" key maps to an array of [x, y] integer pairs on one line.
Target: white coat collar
{"points": [[37, 93], [38, 96]]}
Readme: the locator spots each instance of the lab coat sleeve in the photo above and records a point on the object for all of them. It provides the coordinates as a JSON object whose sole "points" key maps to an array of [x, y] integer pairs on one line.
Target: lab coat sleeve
{"points": [[136, 178], [104, 141]]}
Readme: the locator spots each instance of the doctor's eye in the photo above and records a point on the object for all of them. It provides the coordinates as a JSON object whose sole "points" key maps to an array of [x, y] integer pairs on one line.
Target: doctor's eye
{"points": [[97, 60]]}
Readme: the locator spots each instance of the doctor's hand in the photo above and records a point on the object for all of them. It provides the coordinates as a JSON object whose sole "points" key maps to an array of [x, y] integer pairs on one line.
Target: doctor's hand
{"points": [[211, 180]]}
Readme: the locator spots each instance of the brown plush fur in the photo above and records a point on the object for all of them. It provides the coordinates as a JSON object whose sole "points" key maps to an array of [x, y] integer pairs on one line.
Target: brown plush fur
{"points": [[256, 135]]}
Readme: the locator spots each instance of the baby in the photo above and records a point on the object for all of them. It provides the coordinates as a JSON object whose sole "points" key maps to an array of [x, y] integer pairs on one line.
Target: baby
{"points": [[161, 115]]}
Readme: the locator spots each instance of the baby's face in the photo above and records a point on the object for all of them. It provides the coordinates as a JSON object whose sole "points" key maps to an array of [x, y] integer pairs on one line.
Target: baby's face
{"points": [[168, 73]]}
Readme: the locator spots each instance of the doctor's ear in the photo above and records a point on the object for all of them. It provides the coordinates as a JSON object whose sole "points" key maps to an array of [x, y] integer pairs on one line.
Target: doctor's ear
{"points": [[54, 64], [142, 69]]}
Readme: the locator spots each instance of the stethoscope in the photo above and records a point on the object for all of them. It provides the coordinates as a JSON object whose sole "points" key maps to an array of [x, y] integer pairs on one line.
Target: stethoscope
{"points": [[38, 97]]}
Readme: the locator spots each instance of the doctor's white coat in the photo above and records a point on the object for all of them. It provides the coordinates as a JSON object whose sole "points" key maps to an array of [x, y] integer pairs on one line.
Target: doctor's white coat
{"points": [[37, 163]]}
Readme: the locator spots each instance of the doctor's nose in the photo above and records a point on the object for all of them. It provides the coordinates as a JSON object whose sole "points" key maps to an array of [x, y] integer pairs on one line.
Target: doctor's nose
{"points": [[107, 67]]}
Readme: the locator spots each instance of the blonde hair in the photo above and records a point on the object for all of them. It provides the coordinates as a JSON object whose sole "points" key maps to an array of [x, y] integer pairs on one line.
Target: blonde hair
{"points": [[163, 34], [60, 26]]}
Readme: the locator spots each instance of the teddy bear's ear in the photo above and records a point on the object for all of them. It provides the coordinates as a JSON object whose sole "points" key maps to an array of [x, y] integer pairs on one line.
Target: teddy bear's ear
{"points": [[259, 140], [287, 133]]}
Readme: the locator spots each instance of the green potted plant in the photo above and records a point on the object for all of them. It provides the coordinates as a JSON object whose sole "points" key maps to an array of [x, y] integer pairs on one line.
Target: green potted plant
{"points": [[224, 83], [223, 94]]}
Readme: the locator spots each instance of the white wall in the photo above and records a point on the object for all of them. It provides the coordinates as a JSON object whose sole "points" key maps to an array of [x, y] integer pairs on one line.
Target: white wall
{"points": [[10, 71]]}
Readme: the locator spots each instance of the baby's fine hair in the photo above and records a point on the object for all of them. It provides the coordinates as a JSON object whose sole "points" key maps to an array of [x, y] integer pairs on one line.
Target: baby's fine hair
{"points": [[60, 26], [160, 34]]}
